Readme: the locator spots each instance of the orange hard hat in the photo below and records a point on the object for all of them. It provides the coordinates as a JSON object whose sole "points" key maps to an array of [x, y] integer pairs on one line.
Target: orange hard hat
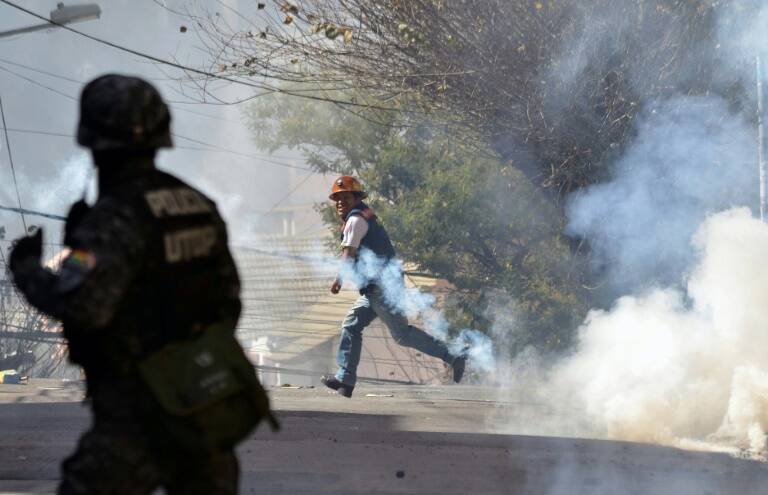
{"points": [[347, 183]]}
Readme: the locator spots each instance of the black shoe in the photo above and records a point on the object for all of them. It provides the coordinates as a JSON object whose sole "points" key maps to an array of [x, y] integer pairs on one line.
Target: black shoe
{"points": [[341, 388], [458, 368]]}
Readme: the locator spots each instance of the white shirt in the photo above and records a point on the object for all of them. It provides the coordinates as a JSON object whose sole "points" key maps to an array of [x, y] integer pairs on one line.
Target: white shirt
{"points": [[354, 230]]}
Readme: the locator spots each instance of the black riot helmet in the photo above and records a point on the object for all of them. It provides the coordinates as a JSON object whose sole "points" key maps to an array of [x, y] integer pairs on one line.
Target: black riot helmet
{"points": [[123, 113]]}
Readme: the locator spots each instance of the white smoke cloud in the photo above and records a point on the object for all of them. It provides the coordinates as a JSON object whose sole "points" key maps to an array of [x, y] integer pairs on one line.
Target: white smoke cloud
{"points": [[743, 34], [691, 157], [680, 359], [72, 178], [670, 365]]}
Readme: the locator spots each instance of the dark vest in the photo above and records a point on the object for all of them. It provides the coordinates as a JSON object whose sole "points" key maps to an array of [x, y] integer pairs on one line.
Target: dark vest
{"points": [[190, 273], [376, 240], [186, 280]]}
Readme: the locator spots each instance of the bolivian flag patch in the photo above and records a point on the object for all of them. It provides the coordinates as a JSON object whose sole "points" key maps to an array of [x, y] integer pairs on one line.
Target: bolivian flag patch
{"points": [[83, 259], [75, 269]]}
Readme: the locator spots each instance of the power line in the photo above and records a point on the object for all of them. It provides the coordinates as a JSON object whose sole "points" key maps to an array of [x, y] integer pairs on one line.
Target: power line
{"points": [[288, 195], [220, 148], [268, 88], [247, 155], [36, 83], [40, 71], [212, 147], [13, 169], [281, 255], [76, 81], [214, 117], [22, 211], [43, 133], [217, 147]]}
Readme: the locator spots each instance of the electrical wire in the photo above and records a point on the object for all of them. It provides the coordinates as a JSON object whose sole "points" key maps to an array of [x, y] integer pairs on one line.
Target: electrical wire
{"points": [[179, 136], [268, 88], [247, 155], [40, 71], [42, 133], [284, 198], [76, 81], [213, 147], [13, 169], [36, 83], [23, 211]]}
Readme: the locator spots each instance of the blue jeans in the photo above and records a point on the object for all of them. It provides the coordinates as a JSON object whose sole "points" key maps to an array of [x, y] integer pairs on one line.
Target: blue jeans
{"points": [[363, 312]]}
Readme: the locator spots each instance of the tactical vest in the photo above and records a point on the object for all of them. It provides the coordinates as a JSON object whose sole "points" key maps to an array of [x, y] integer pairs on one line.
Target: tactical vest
{"points": [[184, 280], [376, 239], [186, 302], [189, 268], [201, 376]]}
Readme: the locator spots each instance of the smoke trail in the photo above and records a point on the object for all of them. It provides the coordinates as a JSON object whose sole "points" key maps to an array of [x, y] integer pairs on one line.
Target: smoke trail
{"points": [[388, 276]]}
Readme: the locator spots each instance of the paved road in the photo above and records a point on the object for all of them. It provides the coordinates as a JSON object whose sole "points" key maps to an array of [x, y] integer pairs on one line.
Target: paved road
{"points": [[401, 440]]}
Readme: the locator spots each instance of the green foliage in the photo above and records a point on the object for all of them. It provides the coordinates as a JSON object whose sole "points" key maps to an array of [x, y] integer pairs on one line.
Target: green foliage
{"points": [[458, 212]]}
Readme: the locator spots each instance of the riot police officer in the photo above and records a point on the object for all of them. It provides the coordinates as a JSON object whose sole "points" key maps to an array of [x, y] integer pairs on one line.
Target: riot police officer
{"points": [[149, 298]]}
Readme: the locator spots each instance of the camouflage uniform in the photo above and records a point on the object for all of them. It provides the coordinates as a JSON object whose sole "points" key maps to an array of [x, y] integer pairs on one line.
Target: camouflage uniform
{"points": [[149, 265], [119, 300]]}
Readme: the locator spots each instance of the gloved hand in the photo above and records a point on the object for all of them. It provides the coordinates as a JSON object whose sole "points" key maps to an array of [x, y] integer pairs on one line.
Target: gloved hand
{"points": [[27, 248], [77, 212]]}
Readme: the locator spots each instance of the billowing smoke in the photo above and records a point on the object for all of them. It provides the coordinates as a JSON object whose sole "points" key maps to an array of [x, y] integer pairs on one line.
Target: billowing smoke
{"points": [[691, 157], [680, 357], [743, 34], [388, 276], [672, 365], [72, 179]]}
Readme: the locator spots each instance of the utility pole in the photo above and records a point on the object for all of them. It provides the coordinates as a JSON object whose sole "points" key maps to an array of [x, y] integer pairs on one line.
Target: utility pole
{"points": [[761, 151]]}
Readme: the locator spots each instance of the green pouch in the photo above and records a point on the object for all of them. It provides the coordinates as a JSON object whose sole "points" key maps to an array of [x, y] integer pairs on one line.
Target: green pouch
{"points": [[208, 390]]}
